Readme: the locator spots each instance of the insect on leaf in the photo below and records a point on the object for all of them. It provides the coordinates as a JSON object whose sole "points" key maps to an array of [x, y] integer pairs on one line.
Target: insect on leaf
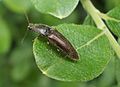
{"points": [[91, 44]]}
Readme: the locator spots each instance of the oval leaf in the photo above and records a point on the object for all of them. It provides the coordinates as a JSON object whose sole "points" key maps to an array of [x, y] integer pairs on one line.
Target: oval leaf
{"points": [[5, 37], [93, 56], [57, 8], [18, 6], [114, 25]]}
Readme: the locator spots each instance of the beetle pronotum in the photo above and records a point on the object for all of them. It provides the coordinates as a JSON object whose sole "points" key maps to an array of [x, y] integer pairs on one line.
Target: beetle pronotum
{"points": [[55, 38]]}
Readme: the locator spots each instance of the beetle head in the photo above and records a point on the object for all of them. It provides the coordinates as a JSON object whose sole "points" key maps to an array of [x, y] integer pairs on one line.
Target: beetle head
{"points": [[40, 28]]}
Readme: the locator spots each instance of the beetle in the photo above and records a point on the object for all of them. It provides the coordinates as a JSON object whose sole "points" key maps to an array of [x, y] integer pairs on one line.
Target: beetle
{"points": [[56, 38]]}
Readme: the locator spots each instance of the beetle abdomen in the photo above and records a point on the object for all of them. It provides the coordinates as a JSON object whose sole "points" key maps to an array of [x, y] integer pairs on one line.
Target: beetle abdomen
{"points": [[63, 44]]}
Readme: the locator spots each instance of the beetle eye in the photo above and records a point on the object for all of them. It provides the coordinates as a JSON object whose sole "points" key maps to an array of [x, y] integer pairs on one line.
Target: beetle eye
{"points": [[29, 28]]}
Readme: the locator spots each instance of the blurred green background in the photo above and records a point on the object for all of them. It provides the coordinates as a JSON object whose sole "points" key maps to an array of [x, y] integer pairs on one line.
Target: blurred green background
{"points": [[17, 63]]}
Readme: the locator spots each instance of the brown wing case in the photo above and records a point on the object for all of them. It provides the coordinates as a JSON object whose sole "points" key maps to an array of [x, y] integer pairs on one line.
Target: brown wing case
{"points": [[60, 41]]}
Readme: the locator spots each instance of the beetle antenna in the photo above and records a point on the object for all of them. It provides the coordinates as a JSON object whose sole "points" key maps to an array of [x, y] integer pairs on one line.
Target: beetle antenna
{"points": [[27, 17], [26, 32]]}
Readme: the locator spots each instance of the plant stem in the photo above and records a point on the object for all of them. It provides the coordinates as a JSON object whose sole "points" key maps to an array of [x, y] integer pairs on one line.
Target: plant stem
{"points": [[89, 7]]}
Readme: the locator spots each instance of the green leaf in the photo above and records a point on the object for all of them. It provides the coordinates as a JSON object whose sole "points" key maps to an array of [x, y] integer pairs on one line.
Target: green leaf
{"points": [[93, 56], [19, 6], [73, 18], [111, 4], [21, 62], [88, 21], [114, 25], [57, 8], [5, 37], [67, 84], [107, 78], [3, 72], [44, 81], [118, 68]]}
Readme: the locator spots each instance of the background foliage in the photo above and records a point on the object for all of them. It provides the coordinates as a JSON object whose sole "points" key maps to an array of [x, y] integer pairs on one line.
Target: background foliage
{"points": [[17, 64]]}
